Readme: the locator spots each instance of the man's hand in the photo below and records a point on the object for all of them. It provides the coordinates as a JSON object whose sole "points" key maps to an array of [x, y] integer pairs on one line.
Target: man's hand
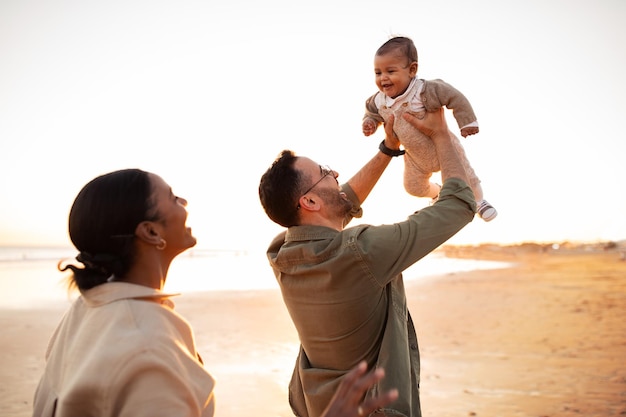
{"points": [[391, 140], [348, 399], [429, 123], [433, 124]]}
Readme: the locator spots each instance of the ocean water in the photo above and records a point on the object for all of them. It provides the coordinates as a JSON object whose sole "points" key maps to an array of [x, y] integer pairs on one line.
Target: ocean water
{"points": [[29, 276]]}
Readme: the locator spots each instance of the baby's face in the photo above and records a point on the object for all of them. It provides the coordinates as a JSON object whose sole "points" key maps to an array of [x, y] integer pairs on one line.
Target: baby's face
{"points": [[394, 73]]}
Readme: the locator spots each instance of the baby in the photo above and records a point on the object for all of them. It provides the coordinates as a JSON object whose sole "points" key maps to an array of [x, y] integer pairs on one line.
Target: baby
{"points": [[395, 66]]}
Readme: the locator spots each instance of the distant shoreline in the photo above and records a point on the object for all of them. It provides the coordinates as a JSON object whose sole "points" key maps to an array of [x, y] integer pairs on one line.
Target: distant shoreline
{"points": [[35, 279], [490, 251], [596, 246]]}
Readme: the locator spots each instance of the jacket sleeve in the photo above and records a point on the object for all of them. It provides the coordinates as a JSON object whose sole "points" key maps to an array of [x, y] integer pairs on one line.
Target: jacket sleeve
{"points": [[357, 210], [389, 249], [438, 93]]}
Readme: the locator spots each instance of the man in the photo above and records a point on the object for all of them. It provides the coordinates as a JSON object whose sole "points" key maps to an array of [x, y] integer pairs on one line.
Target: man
{"points": [[343, 287]]}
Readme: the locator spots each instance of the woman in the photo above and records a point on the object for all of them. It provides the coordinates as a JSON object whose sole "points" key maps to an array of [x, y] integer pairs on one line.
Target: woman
{"points": [[121, 349]]}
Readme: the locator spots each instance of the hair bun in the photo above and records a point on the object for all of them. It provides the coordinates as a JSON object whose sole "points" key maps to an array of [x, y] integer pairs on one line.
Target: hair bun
{"points": [[104, 263]]}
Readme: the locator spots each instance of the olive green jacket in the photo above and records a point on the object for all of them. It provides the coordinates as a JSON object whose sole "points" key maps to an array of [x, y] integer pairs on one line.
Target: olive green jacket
{"points": [[345, 294]]}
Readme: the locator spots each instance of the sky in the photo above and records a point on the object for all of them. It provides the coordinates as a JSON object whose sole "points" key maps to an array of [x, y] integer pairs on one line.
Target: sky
{"points": [[206, 94]]}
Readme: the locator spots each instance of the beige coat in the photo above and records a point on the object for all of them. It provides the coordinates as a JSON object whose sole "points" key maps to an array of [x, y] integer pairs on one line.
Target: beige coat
{"points": [[121, 350]]}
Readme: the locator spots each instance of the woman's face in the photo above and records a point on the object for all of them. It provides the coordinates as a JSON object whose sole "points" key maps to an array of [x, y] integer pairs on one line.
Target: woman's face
{"points": [[172, 217]]}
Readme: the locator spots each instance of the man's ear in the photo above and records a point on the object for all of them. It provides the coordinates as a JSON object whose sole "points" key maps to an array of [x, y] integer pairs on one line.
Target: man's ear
{"points": [[308, 204], [148, 233]]}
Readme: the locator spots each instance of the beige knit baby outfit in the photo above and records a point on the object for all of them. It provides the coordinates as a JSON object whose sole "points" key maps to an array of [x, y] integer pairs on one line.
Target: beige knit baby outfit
{"points": [[420, 159]]}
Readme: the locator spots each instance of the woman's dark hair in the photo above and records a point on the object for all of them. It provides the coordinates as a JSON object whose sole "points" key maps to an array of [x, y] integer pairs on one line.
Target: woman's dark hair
{"points": [[102, 225], [279, 190], [399, 43]]}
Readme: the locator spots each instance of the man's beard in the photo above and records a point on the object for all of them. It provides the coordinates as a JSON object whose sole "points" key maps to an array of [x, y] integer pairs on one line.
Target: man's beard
{"points": [[337, 204]]}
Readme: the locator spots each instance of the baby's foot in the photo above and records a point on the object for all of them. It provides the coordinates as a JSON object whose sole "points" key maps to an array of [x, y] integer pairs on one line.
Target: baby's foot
{"points": [[486, 211]]}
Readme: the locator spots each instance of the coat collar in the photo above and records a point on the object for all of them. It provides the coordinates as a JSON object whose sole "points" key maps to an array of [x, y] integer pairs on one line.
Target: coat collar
{"points": [[114, 291]]}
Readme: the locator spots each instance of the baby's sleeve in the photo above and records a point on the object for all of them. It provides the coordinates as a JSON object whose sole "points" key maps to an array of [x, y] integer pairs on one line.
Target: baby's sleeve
{"points": [[371, 110], [438, 93]]}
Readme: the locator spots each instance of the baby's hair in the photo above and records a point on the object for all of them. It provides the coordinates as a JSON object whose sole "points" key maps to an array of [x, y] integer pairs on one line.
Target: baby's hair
{"points": [[399, 43]]}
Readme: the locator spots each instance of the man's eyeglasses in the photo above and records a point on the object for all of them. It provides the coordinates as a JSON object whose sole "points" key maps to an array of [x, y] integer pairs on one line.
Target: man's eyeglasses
{"points": [[325, 171]]}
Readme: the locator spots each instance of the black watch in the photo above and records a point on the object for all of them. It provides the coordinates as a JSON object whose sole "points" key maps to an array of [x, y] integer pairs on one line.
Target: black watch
{"points": [[389, 152]]}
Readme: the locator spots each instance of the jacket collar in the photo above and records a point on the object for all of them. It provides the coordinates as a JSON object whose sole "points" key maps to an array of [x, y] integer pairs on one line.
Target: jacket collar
{"points": [[309, 232]]}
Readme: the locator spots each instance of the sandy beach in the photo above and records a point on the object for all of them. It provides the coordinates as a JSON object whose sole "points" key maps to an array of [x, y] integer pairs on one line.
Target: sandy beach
{"points": [[545, 337]]}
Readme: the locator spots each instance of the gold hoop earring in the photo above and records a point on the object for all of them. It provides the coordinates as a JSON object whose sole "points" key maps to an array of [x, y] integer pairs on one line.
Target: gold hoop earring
{"points": [[162, 244]]}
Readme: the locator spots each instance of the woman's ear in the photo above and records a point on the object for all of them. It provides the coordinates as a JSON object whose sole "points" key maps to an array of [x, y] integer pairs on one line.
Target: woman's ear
{"points": [[147, 232]]}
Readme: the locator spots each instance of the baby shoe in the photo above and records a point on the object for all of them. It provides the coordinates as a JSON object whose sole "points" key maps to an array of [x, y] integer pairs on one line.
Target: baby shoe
{"points": [[486, 211]]}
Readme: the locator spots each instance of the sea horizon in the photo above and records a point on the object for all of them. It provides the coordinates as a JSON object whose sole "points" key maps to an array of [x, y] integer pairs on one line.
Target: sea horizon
{"points": [[29, 276]]}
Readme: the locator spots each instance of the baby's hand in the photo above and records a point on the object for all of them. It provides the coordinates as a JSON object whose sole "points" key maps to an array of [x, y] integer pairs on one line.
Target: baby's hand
{"points": [[369, 126], [466, 131]]}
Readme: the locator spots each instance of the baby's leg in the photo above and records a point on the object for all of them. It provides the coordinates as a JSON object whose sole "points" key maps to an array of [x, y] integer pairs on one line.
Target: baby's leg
{"points": [[484, 209], [474, 181], [417, 182], [421, 189], [476, 187]]}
